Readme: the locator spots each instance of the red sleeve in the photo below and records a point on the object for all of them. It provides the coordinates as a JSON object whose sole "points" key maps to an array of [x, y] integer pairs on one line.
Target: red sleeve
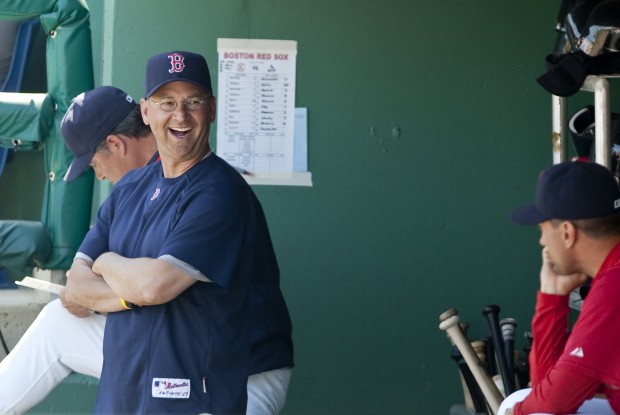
{"points": [[550, 332], [561, 391], [554, 390]]}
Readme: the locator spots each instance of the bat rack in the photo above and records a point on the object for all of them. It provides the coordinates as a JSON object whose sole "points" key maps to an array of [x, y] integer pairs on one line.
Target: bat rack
{"points": [[599, 85]]}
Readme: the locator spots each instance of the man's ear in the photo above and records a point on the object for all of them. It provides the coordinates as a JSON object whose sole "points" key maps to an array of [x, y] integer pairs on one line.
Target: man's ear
{"points": [[144, 110], [569, 233], [116, 143]]}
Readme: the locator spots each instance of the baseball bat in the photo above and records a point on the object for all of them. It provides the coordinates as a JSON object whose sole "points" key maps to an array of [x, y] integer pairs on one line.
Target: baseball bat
{"points": [[489, 351], [529, 337], [508, 326], [479, 348], [522, 372], [491, 312], [450, 324], [466, 389], [473, 389], [523, 365]]}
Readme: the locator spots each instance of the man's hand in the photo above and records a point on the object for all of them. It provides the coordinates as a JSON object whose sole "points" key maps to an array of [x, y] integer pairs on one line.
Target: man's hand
{"points": [[553, 283], [75, 309], [87, 289]]}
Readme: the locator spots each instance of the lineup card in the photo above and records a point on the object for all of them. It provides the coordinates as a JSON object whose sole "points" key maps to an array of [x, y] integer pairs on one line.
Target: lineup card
{"points": [[256, 111], [38, 284]]}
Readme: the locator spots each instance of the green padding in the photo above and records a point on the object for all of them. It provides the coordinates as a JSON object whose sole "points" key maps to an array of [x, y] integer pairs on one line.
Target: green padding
{"points": [[25, 120], [23, 244], [66, 206]]}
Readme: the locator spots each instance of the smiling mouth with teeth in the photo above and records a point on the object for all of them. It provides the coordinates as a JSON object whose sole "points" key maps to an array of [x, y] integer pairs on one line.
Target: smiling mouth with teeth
{"points": [[180, 132]]}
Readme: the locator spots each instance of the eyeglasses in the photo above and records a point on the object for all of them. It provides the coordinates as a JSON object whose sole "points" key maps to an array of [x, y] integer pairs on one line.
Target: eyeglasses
{"points": [[192, 104]]}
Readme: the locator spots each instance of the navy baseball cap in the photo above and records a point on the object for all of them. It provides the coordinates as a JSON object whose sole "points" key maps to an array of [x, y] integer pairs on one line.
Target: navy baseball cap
{"points": [[91, 116], [176, 66], [565, 74], [571, 191]]}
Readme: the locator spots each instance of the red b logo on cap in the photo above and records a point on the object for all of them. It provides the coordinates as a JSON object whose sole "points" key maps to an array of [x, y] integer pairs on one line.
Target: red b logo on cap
{"points": [[176, 63]]}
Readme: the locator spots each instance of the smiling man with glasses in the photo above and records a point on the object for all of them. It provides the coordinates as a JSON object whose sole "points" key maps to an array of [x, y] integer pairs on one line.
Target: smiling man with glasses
{"points": [[181, 259]]}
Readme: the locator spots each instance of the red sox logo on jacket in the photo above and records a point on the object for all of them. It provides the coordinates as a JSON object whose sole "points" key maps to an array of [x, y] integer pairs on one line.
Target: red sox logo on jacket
{"points": [[155, 194], [176, 62]]}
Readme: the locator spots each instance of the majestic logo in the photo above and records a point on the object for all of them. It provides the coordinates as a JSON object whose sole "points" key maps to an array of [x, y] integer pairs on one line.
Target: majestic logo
{"points": [[577, 352], [170, 388], [176, 63]]}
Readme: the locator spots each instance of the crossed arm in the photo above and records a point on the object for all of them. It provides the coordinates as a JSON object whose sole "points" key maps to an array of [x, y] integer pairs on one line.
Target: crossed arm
{"points": [[142, 281]]}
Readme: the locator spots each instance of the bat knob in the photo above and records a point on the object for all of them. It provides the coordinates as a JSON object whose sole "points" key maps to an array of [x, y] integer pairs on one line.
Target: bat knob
{"points": [[508, 320], [447, 314], [449, 322], [490, 309], [478, 346]]}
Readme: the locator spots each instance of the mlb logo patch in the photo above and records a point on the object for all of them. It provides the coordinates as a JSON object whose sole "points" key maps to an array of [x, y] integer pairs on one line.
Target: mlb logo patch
{"points": [[170, 388]]}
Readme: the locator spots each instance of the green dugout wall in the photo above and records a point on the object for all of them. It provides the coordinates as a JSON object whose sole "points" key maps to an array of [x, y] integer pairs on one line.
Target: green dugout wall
{"points": [[426, 127]]}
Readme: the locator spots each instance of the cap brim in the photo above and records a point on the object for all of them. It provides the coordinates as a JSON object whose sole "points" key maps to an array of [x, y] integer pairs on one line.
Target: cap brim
{"points": [[167, 81], [565, 77], [78, 166], [527, 215]]}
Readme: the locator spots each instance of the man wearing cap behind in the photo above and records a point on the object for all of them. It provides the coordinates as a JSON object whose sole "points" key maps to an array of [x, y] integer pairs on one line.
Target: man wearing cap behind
{"points": [[171, 257], [103, 128], [577, 209]]}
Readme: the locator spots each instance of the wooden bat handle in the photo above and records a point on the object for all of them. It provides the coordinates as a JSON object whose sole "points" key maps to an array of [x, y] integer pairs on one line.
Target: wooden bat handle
{"points": [[488, 387]]}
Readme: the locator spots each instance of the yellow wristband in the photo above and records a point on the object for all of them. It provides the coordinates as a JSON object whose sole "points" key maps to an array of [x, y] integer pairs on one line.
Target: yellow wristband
{"points": [[126, 305]]}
